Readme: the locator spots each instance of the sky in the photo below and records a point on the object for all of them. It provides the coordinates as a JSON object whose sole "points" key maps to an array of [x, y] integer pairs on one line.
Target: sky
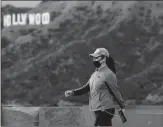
{"points": [[21, 3]]}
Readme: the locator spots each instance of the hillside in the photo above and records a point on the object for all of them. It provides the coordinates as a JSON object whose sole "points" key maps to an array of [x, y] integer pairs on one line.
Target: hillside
{"points": [[40, 62]]}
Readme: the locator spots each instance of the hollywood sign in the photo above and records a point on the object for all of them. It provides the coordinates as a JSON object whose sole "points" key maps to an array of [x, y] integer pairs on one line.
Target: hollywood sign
{"points": [[26, 19]]}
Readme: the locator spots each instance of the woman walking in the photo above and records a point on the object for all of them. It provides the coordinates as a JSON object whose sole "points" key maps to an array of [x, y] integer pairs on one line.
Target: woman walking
{"points": [[101, 101]]}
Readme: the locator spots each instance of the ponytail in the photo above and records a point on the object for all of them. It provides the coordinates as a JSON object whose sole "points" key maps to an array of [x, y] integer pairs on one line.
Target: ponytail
{"points": [[111, 64]]}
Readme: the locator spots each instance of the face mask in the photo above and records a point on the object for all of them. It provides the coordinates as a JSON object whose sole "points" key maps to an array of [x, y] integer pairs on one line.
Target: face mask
{"points": [[97, 64]]}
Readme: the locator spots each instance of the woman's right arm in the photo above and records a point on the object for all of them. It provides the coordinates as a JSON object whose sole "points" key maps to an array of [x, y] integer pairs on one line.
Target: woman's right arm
{"points": [[82, 90]]}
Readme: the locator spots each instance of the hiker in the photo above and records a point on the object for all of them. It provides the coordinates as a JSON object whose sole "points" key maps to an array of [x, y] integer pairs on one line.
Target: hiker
{"points": [[101, 101]]}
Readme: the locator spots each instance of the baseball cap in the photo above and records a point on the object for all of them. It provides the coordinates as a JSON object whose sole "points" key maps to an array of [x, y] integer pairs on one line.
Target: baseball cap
{"points": [[99, 52]]}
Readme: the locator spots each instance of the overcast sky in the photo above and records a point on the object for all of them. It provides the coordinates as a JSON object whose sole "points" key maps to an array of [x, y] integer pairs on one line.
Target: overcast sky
{"points": [[21, 3]]}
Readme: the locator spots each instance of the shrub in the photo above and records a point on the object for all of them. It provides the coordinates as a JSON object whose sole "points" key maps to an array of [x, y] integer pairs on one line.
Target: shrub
{"points": [[4, 42]]}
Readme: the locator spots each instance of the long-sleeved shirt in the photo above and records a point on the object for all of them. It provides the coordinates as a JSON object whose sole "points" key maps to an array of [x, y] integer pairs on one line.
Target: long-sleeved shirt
{"points": [[99, 96]]}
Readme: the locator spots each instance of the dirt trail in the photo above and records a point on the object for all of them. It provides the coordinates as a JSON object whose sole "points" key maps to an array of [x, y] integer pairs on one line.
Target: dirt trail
{"points": [[143, 116]]}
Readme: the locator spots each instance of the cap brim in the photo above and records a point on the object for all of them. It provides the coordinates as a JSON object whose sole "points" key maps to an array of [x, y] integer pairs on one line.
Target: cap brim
{"points": [[93, 55]]}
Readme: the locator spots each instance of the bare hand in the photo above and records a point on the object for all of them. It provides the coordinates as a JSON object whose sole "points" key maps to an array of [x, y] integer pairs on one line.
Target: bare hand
{"points": [[68, 93], [123, 110]]}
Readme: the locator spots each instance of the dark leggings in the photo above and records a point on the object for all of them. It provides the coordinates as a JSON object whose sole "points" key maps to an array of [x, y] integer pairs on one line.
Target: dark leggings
{"points": [[103, 118]]}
